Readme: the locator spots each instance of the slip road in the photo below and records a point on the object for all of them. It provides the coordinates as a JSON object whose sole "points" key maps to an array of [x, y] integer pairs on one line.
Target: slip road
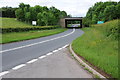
{"points": [[17, 53]]}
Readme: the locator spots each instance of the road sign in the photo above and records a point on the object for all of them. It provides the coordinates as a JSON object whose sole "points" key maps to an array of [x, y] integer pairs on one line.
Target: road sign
{"points": [[100, 22], [34, 23]]}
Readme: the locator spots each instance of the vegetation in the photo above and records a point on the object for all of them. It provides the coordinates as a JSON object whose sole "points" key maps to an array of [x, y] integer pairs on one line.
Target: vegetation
{"points": [[13, 25], [99, 45], [13, 37], [15, 30], [8, 12], [43, 15], [102, 11], [20, 28]]}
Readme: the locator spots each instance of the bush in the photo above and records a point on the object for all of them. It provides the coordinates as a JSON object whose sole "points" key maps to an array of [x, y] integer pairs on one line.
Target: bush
{"points": [[9, 30], [86, 22], [113, 30]]}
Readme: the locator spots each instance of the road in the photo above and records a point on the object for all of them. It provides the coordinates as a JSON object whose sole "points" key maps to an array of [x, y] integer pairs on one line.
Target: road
{"points": [[60, 64], [75, 25], [17, 53]]}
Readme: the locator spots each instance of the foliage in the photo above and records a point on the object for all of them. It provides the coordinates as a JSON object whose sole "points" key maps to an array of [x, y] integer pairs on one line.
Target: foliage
{"points": [[43, 15], [103, 11], [20, 14], [8, 12], [12, 25], [99, 46], [86, 22], [111, 29], [27, 16]]}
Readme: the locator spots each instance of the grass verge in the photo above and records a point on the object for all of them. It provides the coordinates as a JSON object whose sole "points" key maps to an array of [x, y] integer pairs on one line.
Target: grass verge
{"points": [[99, 46], [14, 23], [20, 36]]}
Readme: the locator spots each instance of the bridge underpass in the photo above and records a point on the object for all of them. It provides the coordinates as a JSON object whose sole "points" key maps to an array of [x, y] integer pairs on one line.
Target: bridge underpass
{"points": [[74, 22]]}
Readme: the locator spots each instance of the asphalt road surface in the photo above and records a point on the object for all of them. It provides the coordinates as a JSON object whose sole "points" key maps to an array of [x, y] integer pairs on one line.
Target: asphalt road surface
{"points": [[60, 64], [17, 53], [75, 25]]}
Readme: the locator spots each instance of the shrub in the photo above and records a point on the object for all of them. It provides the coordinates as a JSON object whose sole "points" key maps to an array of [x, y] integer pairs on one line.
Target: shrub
{"points": [[9, 30]]}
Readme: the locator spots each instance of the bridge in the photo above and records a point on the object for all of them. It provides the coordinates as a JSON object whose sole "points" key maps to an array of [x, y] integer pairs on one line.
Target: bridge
{"points": [[65, 22]]}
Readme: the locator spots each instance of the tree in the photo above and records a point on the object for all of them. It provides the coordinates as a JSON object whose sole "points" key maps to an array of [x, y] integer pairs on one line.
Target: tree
{"points": [[63, 14], [94, 19], [43, 15], [38, 9], [104, 11], [28, 17], [118, 10], [51, 19], [110, 13], [100, 16], [33, 14], [69, 15], [20, 14], [8, 12], [89, 13], [86, 22], [45, 9], [22, 5], [40, 19]]}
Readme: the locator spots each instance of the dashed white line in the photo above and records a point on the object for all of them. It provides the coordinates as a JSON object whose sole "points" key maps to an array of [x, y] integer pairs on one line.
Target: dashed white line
{"points": [[37, 43], [3, 73], [65, 46], [55, 51], [19, 66], [32, 61], [49, 53], [60, 49], [42, 57]]}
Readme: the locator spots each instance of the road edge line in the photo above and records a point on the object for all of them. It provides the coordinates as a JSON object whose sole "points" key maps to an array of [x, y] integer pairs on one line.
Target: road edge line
{"points": [[86, 65], [3, 73]]}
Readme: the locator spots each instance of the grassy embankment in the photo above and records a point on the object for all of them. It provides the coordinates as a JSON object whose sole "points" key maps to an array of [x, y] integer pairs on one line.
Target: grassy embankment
{"points": [[99, 45], [19, 36], [13, 23]]}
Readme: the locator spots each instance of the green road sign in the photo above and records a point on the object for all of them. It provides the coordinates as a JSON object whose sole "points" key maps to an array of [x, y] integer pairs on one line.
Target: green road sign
{"points": [[100, 22]]}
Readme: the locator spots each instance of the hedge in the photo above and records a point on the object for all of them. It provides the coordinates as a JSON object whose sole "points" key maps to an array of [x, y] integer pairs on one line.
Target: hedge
{"points": [[9, 30]]}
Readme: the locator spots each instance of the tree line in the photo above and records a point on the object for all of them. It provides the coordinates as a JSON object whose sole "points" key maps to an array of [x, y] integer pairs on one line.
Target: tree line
{"points": [[102, 11], [8, 12], [43, 15]]}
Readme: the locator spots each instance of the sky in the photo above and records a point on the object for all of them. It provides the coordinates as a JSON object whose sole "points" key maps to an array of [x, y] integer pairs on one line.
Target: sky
{"points": [[77, 8]]}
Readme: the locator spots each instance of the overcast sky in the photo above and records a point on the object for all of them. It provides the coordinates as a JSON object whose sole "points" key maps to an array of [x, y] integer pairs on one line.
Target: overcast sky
{"points": [[76, 8]]}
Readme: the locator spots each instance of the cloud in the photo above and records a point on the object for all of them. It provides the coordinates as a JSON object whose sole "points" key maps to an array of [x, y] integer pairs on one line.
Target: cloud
{"points": [[73, 7]]}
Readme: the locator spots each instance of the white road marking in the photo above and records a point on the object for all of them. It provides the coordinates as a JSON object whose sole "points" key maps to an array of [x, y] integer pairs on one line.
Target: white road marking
{"points": [[60, 49], [42, 57], [19, 66], [36, 43], [3, 73], [32, 61], [65, 46], [49, 53], [55, 51]]}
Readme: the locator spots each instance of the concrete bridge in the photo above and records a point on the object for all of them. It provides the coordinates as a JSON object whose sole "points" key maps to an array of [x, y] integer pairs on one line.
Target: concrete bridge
{"points": [[64, 22]]}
